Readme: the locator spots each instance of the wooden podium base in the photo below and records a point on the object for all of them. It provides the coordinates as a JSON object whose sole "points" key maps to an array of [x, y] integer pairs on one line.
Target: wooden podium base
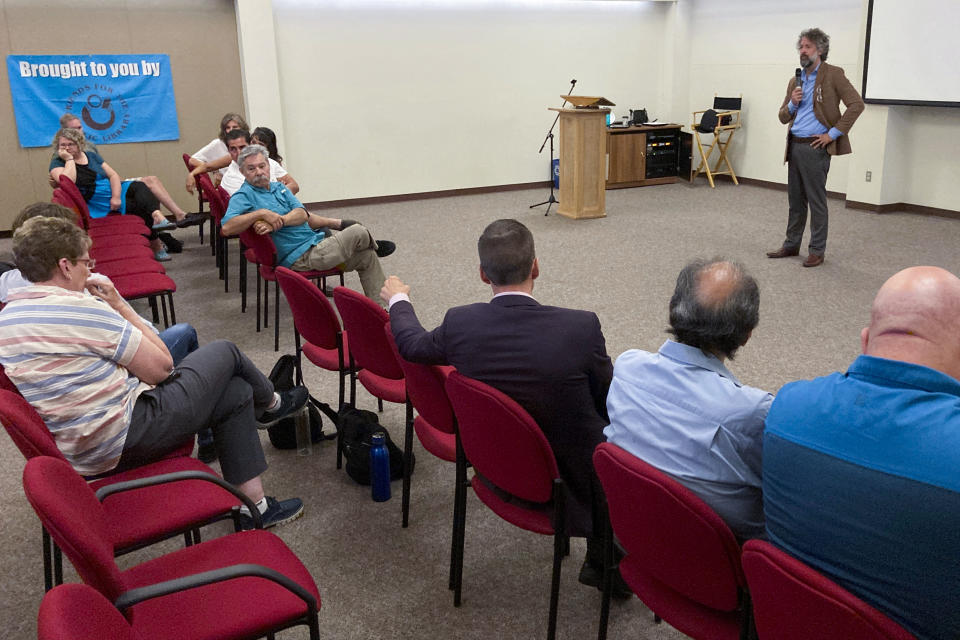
{"points": [[583, 163]]}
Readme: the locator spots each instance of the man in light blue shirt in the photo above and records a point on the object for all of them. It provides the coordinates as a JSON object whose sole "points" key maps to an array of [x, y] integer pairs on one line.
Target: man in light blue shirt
{"points": [[816, 131], [682, 411], [304, 241]]}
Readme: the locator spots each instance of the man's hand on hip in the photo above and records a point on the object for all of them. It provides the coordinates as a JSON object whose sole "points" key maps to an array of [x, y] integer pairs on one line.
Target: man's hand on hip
{"points": [[822, 140]]}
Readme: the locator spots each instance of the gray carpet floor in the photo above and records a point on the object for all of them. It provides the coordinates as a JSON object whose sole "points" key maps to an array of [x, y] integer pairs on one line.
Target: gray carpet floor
{"points": [[378, 580]]}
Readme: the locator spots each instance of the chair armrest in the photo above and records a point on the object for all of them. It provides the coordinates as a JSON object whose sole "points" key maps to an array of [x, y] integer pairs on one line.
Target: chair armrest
{"points": [[164, 478], [136, 596]]}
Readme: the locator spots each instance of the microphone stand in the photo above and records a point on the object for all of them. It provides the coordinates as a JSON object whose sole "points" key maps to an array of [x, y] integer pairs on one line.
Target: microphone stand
{"points": [[551, 200]]}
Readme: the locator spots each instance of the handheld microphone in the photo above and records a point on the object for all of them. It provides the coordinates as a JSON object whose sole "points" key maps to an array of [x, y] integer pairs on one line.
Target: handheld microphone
{"points": [[799, 78]]}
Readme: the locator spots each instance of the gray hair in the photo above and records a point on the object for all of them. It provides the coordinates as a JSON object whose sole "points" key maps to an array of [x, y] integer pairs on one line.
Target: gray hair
{"points": [[40, 243], [67, 118], [75, 135], [714, 323], [250, 150], [819, 39]]}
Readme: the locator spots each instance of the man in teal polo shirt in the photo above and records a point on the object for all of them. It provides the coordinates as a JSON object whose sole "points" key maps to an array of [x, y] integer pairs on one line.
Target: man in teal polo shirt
{"points": [[304, 241]]}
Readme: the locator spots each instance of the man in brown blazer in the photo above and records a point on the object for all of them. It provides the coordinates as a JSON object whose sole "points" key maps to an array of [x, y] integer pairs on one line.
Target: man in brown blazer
{"points": [[817, 131]]}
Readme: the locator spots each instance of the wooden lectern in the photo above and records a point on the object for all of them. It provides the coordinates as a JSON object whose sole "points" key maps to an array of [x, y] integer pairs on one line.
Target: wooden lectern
{"points": [[583, 161]]}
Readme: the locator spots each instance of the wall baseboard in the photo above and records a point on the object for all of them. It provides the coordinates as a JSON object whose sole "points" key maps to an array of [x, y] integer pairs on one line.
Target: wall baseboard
{"points": [[425, 195], [902, 207]]}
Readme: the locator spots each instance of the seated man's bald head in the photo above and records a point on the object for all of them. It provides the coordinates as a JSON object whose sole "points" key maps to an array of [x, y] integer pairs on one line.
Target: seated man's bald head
{"points": [[916, 318]]}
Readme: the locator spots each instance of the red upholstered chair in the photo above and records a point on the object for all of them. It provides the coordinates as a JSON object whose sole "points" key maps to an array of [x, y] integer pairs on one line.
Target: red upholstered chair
{"points": [[131, 266], [136, 519], [200, 201], [153, 287], [78, 204], [435, 424], [218, 208], [510, 452], [681, 559], [791, 601], [244, 585], [78, 612], [316, 331], [376, 365], [129, 233], [265, 253], [104, 255]]}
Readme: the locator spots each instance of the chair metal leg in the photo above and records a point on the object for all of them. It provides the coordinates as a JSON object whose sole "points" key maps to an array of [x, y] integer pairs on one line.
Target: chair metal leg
{"points": [[559, 538], [226, 269], [453, 530], [407, 454], [380, 405], [187, 539], [276, 316], [607, 577], [460, 528], [47, 559], [258, 298], [163, 307], [266, 303], [57, 565], [154, 312], [243, 282], [173, 312]]}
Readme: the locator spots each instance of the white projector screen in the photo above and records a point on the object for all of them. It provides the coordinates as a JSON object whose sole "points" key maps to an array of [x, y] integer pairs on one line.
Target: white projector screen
{"points": [[911, 53]]}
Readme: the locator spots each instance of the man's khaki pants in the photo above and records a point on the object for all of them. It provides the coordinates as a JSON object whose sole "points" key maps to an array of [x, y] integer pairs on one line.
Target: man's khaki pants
{"points": [[353, 250]]}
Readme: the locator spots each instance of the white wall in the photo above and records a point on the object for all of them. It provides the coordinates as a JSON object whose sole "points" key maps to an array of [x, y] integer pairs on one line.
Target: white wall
{"points": [[384, 97], [748, 46], [405, 97]]}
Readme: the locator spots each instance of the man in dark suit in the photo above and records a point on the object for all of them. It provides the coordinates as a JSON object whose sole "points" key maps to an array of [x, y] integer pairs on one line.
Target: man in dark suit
{"points": [[552, 361]]}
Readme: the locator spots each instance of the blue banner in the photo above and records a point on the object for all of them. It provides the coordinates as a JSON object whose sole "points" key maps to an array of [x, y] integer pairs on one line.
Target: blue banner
{"points": [[125, 98]]}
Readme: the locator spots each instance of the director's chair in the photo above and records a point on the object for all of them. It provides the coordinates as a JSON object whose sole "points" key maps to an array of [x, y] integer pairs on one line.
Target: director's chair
{"points": [[722, 121]]}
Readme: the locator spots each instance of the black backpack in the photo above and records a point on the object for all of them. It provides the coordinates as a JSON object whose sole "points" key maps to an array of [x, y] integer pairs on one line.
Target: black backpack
{"points": [[708, 121], [283, 434], [358, 427]]}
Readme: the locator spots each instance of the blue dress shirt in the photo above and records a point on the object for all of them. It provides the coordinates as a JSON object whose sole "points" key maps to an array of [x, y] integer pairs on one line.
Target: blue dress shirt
{"points": [[805, 124], [683, 412]]}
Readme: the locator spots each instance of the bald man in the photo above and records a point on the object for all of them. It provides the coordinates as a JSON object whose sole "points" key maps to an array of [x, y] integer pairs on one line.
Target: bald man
{"points": [[861, 470], [682, 411]]}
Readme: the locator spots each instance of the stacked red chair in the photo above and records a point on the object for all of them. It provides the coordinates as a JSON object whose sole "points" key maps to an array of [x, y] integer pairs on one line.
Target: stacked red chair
{"points": [[121, 252]]}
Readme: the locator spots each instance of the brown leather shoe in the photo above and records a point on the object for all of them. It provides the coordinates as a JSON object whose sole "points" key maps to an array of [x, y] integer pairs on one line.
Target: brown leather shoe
{"points": [[813, 260], [783, 252]]}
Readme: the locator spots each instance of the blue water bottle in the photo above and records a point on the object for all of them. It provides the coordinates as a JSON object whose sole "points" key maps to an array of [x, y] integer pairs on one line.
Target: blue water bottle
{"points": [[379, 468]]}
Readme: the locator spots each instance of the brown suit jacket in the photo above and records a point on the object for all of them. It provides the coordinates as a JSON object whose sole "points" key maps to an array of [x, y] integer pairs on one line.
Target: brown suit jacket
{"points": [[831, 89]]}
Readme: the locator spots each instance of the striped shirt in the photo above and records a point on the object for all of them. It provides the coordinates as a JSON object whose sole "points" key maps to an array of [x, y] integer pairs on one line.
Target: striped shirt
{"points": [[67, 353]]}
